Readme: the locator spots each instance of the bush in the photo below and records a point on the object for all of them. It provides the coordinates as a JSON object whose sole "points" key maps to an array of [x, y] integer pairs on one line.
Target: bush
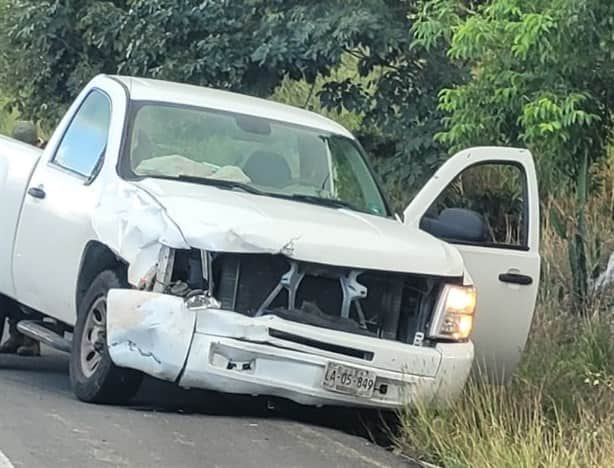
{"points": [[7, 118], [559, 408], [557, 412]]}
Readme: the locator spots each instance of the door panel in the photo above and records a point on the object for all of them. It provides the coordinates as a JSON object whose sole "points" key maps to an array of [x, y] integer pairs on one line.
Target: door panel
{"points": [[500, 185], [53, 232], [55, 224], [504, 310]]}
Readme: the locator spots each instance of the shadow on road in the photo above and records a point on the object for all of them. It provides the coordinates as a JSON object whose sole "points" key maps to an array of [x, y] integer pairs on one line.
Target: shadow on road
{"points": [[51, 364], [164, 397]]}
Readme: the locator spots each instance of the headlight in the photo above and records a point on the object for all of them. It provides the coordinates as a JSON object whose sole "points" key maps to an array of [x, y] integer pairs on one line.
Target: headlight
{"points": [[453, 318]]}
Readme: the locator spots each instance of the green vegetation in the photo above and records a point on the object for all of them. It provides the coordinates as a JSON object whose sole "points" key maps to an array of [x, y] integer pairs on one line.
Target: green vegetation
{"points": [[7, 118], [540, 74], [559, 409], [541, 78], [254, 46], [414, 80]]}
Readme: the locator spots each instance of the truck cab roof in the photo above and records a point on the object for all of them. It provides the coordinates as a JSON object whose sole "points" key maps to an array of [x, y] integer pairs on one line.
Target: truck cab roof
{"points": [[143, 89]]}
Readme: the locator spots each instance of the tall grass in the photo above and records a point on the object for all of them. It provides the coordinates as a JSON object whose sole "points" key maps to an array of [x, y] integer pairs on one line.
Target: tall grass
{"points": [[559, 409]]}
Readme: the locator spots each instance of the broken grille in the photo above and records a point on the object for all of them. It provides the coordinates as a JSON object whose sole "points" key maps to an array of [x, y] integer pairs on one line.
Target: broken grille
{"points": [[386, 305]]}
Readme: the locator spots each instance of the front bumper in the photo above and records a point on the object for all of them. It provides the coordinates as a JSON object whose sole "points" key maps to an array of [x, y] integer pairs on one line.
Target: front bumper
{"points": [[220, 350]]}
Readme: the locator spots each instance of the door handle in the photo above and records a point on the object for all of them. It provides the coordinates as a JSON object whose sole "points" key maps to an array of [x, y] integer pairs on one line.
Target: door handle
{"points": [[37, 192], [515, 278]]}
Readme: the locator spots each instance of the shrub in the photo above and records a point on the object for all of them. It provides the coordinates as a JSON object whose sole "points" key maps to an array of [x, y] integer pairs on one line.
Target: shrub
{"points": [[559, 408]]}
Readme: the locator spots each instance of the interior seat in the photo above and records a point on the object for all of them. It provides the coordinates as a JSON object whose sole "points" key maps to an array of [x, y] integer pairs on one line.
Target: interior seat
{"points": [[268, 169]]}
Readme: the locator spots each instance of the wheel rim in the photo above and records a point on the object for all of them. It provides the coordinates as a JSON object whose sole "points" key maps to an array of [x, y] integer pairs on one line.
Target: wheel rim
{"points": [[94, 336]]}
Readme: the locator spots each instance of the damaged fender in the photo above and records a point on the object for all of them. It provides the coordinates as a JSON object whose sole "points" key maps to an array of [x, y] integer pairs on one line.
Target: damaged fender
{"points": [[134, 226], [149, 332]]}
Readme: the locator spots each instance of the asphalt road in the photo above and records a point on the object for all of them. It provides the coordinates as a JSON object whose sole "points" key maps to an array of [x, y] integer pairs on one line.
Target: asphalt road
{"points": [[42, 425]]}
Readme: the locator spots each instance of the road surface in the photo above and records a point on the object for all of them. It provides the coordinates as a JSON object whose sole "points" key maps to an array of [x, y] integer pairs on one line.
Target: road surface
{"points": [[42, 425]]}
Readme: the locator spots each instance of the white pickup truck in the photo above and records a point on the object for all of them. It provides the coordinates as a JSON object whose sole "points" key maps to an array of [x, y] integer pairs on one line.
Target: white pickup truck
{"points": [[225, 242]]}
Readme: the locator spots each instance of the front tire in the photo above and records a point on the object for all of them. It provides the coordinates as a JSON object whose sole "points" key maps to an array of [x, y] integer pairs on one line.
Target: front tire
{"points": [[93, 376]]}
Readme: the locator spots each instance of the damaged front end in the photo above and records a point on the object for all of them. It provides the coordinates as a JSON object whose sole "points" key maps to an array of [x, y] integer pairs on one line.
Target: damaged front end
{"points": [[266, 324]]}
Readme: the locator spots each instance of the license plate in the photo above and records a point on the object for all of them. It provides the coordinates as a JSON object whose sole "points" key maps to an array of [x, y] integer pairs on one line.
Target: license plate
{"points": [[349, 380]]}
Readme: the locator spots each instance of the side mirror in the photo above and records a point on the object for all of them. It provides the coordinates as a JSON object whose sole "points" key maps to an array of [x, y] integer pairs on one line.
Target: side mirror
{"points": [[456, 224]]}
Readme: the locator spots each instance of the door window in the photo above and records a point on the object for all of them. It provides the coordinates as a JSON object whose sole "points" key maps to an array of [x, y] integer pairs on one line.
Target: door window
{"points": [[485, 205], [85, 140]]}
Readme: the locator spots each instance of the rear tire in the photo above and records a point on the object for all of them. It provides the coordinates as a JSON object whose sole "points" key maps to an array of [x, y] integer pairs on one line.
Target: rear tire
{"points": [[8, 308], [93, 376], [4, 304]]}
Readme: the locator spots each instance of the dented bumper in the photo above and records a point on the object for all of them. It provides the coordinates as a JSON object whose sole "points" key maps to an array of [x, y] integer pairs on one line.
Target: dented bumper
{"points": [[209, 348]]}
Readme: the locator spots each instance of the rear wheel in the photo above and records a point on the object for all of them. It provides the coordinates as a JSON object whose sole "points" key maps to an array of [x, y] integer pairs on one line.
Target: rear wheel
{"points": [[8, 309], [93, 376], [4, 304]]}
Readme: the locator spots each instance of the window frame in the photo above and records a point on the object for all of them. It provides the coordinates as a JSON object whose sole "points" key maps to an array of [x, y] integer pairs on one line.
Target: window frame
{"points": [[87, 178], [524, 247]]}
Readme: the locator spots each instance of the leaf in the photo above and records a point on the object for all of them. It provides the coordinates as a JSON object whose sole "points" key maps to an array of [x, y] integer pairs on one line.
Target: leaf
{"points": [[557, 223]]}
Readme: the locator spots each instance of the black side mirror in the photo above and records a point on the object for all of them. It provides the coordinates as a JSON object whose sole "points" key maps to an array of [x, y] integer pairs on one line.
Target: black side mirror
{"points": [[456, 224]]}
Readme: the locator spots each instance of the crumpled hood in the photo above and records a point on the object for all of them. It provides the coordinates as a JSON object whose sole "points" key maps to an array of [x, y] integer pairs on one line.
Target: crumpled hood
{"points": [[223, 220]]}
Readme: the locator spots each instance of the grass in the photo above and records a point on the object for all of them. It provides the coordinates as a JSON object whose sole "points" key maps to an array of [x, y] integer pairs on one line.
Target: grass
{"points": [[559, 409]]}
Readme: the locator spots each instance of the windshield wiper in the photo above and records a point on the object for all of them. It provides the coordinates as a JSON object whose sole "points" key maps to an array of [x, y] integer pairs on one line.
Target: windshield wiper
{"points": [[322, 201], [222, 183], [230, 184]]}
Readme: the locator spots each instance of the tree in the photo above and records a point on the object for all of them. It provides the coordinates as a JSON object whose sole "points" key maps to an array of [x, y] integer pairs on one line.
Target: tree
{"points": [[250, 46], [50, 48], [541, 76]]}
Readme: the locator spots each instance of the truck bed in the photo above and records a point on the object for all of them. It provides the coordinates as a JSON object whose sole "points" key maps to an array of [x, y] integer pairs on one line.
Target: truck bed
{"points": [[17, 163]]}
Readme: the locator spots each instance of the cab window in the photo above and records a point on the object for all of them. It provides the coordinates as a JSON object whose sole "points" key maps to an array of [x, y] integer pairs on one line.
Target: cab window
{"points": [[485, 205], [85, 140]]}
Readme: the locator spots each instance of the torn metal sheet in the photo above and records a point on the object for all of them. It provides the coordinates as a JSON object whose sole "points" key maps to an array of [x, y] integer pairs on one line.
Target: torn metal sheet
{"points": [[222, 220], [203, 347], [136, 219], [148, 331], [135, 226], [385, 354], [230, 366]]}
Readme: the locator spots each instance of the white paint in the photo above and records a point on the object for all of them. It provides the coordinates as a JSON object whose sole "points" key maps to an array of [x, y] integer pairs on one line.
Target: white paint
{"points": [[156, 334], [136, 219], [135, 226], [4, 461], [53, 233], [297, 375], [142, 89], [17, 162], [387, 354], [231, 221], [149, 331], [504, 311]]}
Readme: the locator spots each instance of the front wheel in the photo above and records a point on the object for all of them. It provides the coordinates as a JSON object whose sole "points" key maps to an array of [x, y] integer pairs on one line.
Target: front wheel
{"points": [[93, 376]]}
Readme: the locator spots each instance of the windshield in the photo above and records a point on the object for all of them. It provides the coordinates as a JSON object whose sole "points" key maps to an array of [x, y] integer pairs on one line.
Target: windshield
{"points": [[262, 156]]}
